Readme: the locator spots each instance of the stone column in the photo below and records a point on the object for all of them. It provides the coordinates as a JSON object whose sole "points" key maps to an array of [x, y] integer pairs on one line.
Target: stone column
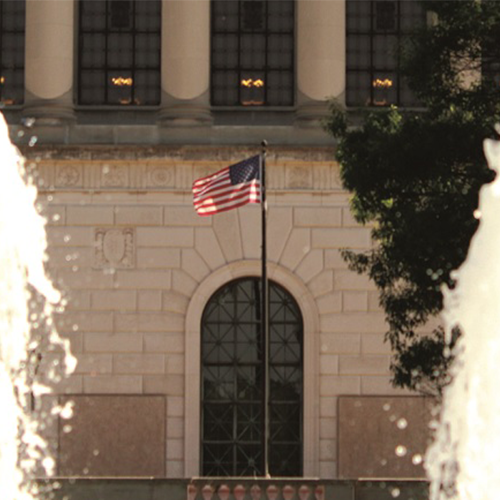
{"points": [[49, 68], [321, 48], [185, 76]]}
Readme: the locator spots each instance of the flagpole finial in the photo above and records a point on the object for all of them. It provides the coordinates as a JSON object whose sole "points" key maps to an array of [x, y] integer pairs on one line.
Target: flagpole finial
{"points": [[264, 144]]}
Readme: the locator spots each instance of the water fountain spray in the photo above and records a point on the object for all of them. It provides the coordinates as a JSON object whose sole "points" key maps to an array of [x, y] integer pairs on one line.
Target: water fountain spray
{"points": [[27, 298], [464, 461]]}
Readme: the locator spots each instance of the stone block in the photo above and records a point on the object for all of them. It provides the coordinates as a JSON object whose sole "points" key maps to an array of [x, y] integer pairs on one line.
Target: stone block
{"points": [[296, 248], [329, 303], [310, 266], [175, 364], [349, 280], [89, 215], [364, 365], [140, 364], [374, 343], [183, 283], [336, 385], [167, 342], [175, 428], [112, 384], [355, 238], [134, 445], [184, 216], [175, 449], [80, 321], [334, 260], [174, 302], [81, 279], [114, 300], [317, 217], [227, 231], [328, 407], [329, 364], [149, 300], [94, 364], [174, 237], [139, 216], [194, 265], [175, 406], [149, 322], [328, 431], [322, 284], [158, 258], [112, 342], [143, 279], [353, 323], [340, 343], [394, 430], [380, 385], [70, 236], [327, 449], [251, 231], [279, 225], [354, 301], [205, 239]]}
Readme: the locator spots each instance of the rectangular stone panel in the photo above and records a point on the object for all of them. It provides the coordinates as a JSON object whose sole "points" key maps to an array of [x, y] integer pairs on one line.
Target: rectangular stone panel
{"points": [[382, 437], [113, 436]]}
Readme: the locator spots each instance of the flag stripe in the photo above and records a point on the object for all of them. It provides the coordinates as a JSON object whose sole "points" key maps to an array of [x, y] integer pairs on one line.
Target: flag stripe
{"points": [[231, 187]]}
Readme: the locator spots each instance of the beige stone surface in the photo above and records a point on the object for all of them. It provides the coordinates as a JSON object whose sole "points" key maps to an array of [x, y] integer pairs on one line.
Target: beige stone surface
{"points": [[382, 436], [133, 445]]}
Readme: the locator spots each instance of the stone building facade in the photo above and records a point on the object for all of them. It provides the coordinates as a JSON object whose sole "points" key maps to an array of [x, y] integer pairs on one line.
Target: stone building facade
{"points": [[138, 267]]}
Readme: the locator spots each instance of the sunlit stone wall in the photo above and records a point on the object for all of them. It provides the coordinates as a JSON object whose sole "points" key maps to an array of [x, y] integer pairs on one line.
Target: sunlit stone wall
{"points": [[132, 257]]}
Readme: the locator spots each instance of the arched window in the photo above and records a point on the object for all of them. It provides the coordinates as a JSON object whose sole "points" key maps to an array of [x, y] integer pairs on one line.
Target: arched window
{"points": [[232, 405]]}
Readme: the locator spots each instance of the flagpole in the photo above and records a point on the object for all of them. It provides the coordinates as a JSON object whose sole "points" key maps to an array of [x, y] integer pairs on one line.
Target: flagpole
{"points": [[265, 310]]}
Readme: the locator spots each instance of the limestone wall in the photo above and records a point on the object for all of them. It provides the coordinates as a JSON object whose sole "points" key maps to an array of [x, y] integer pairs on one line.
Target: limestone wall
{"points": [[137, 266]]}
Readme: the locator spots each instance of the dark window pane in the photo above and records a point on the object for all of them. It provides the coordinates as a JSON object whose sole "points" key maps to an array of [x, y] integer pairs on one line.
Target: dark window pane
{"points": [[261, 42], [12, 29], [375, 30], [126, 49], [232, 381]]}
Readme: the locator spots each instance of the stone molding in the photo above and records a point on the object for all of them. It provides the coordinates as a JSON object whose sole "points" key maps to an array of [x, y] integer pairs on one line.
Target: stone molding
{"points": [[175, 175]]}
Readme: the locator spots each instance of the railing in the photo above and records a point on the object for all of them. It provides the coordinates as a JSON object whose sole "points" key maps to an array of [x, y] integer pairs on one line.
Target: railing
{"points": [[229, 489]]}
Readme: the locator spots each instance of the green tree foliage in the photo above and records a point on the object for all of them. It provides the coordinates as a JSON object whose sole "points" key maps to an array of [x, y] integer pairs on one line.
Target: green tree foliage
{"points": [[415, 178]]}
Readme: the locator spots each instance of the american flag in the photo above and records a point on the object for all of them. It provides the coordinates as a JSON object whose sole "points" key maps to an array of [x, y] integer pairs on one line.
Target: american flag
{"points": [[229, 188]]}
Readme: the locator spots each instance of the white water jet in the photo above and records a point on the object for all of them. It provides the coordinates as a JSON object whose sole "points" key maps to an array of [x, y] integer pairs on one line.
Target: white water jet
{"points": [[25, 292], [464, 461]]}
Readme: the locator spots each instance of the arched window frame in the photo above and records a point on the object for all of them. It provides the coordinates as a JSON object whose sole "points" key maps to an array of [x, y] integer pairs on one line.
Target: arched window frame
{"points": [[310, 316]]}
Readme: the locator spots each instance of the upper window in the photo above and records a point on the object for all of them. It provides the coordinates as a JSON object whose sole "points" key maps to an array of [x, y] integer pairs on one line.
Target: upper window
{"points": [[375, 30], [253, 52], [119, 52], [12, 24]]}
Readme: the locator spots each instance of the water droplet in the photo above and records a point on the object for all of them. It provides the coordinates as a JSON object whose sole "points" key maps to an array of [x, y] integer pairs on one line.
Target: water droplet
{"points": [[67, 429], [477, 214], [66, 238], [56, 217], [402, 423], [401, 450], [20, 133], [28, 122], [417, 459], [75, 269], [33, 140], [395, 492], [386, 407], [75, 327], [95, 453]]}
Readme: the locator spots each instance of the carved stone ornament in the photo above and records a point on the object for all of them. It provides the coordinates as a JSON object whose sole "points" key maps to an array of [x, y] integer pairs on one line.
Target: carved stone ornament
{"points": [[304, 492], [114, 176], [272, 492], [114, 248], [68, 176], [288, 492], [207, 492], [161, 176], [223, 492], [299, 177], [192, 491], [239, 492]]}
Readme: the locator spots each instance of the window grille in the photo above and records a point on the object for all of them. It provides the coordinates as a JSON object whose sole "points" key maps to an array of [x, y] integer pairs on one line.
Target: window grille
{"points": [[232, 382], [119, 52], [252, 53], [375, 30], [12, 29]]}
